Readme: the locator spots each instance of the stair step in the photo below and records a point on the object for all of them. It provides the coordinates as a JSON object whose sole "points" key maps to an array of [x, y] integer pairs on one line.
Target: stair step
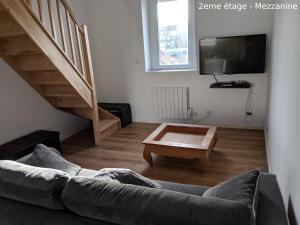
{"points": [[59, 90], [107, 123], [47, 78], [67, 102], [37, 62], [8, 27], [18, 45], [108, 127]]}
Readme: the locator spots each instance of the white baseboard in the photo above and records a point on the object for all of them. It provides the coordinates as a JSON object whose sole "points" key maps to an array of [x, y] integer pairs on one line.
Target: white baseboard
{"points": [[225, 125]]}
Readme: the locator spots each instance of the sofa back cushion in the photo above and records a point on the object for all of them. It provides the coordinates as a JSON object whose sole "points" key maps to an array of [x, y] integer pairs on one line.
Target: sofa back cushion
{"points": [[242, 188], [33, 185], [129, 204]]}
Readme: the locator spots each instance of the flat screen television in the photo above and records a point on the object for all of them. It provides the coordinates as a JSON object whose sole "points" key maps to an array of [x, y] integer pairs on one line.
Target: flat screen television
{"points": [[233, 55]]}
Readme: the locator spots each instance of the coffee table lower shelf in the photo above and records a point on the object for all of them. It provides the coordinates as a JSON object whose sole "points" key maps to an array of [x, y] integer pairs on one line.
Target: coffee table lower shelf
{"points": [[181, 141]]}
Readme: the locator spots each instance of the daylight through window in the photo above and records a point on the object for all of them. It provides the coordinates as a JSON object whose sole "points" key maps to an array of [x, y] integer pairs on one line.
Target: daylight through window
{"points": [[169, 34]]}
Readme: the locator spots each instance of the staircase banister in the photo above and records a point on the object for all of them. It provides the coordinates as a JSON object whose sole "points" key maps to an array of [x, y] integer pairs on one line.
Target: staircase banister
{"points": [[80, 27], [72, 14]]}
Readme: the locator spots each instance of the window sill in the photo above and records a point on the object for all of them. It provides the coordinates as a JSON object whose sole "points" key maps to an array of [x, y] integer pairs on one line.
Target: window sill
{"points": [[172, 71]]}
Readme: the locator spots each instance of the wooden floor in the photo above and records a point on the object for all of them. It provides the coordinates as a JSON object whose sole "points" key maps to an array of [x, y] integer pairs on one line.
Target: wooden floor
{"points": [[236, 151]]}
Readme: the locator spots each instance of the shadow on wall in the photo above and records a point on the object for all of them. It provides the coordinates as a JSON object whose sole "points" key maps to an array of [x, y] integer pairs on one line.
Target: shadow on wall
{"points": [[291, 213]]}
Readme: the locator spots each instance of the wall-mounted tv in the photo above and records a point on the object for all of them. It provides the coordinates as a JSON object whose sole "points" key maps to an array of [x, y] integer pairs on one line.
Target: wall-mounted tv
{"points": [[233, 55]]}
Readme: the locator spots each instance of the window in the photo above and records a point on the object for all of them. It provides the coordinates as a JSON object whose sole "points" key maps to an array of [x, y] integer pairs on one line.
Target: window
{"points": [[169, 34]]}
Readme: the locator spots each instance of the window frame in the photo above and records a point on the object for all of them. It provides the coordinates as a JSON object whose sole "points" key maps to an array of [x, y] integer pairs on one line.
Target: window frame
{"points": [[153, 39]]}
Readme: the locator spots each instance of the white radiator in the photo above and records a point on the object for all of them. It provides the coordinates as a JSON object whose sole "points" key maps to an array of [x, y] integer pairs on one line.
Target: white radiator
{"points": [[172, 103]]}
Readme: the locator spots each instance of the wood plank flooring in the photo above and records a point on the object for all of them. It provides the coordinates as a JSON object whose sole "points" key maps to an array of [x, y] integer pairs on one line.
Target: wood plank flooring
{"points": [[236, 151]]}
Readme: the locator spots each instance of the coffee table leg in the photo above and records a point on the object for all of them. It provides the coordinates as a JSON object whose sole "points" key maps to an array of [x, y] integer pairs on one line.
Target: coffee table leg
{"points": [[147, 156], [203, 162], [214, 144]]}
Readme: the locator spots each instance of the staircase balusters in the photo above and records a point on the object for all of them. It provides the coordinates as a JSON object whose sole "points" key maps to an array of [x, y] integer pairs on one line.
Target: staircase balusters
{"points": [[29, 3], [67, 6], [52, 21], [70, 33], [80, 48], [40, 4], [63, 26]]}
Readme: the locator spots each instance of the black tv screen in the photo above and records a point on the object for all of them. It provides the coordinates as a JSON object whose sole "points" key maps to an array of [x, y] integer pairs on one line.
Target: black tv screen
{"points": [[232, 55]]}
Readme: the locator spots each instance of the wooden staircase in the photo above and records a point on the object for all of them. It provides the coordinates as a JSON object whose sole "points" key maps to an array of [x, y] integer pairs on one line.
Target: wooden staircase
{"points": [[45, 44]]}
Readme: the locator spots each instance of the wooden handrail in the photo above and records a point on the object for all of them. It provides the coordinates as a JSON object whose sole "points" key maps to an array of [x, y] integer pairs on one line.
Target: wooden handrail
{"points": [[65, 30], [65, 3], [87, 52]]}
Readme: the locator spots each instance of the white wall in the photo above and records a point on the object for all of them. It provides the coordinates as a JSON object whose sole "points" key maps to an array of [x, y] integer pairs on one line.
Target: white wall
{"points": [[117, 44], [284, 108], [23, 110]]}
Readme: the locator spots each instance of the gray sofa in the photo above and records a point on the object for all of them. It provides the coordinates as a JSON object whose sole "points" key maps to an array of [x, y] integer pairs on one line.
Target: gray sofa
{"points": [[130, 204], [270, 207]]}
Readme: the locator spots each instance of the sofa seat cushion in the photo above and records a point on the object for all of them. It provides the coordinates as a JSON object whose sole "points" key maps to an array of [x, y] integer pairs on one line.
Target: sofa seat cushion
{"points": [[87, 173], [45, 157], [33, 185], [183, 188], [125, 176], [135, 205]]}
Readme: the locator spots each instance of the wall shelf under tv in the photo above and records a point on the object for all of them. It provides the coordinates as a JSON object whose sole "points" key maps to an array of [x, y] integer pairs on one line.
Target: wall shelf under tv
{"points": [[230, 85]]}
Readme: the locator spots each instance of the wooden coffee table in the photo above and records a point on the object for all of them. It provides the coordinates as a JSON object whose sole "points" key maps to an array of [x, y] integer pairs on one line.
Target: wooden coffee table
{"points": [[182, 141]]}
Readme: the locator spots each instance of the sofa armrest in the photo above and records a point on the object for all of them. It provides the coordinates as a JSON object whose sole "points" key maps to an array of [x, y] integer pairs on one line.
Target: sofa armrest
{"points": [[271, 210]]}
